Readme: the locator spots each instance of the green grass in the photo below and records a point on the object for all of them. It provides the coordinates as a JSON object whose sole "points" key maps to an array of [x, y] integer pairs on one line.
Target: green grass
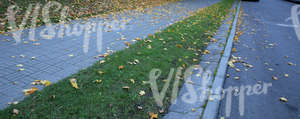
{"points": [[108, 99]]}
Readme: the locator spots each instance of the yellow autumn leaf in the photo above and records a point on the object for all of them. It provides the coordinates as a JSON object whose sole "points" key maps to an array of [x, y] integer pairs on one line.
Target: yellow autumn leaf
{"points": [[206, 52], [127, 44], [45, 82], [233, 49], [30, 91], [73, 82], [153, 115]]}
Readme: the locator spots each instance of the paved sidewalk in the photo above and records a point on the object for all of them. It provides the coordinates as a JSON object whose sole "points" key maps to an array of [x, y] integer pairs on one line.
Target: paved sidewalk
{"points": [[57, 58]]}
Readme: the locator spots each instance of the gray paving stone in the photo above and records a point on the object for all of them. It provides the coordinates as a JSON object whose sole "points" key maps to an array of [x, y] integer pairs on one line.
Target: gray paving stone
{"points": [[189, 115], [190, 97]]}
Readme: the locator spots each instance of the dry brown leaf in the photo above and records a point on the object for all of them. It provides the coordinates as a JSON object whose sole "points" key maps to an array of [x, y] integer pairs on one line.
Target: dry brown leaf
{"points": [[121, 67], [73, 82], [179, 45]]}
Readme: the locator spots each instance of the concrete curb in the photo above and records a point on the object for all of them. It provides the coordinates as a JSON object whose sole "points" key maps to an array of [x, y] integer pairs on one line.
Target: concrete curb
{"points": [[212, 106], [192, 97]]}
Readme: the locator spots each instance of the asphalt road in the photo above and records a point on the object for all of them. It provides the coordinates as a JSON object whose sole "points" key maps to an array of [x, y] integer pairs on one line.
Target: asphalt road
{"points": [[268, 43]]}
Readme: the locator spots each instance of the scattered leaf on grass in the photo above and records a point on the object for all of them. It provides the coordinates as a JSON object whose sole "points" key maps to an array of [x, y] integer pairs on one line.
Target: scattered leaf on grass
{"points": [[153, 115], [102, 61], [15, 111], [121, 67], [126, 87], [98, 81], [140, 107], [100, 72], [132, 81], [179, 45], [73, 82], [30, 91], [142, 93]]}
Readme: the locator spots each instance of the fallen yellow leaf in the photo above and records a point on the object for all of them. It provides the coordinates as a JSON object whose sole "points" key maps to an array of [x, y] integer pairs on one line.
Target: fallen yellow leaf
{"points": [[30, 91], [127, 44], [45, 82], [73, 82], [153, 115], [206, 52], [233, 49]]}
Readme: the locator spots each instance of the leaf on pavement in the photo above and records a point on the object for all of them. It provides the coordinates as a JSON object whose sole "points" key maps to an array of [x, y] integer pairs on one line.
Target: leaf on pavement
{"points": [[274, 78], [283, 99], [30, 91], [206, 52]]}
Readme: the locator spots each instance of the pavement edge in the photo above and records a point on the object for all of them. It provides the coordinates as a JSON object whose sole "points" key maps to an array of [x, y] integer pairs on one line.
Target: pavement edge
{"points": [[211, 110]]}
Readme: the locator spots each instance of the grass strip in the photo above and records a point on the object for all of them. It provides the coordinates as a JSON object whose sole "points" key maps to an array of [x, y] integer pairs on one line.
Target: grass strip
{"points": [[179, 45], [78, 9]]}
